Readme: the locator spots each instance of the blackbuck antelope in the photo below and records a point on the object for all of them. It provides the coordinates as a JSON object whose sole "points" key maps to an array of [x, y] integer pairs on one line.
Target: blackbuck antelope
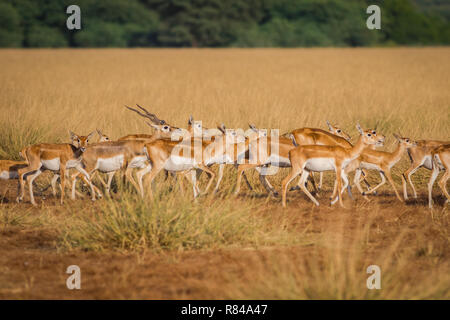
{"points": [[162, 128], [305, 159], [102, 138], [197, 130], [265, 154], [315, 136], [441, 161], [127, 153], [356, 163], [56, 157], [381, 161], [269, 153], [336, 130], [191, 154], [110, 157], [420, 156], [239, 151]]}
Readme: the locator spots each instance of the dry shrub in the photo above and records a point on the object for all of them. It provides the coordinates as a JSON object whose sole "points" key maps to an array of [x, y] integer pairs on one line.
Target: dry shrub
{"points": [[172, 223], [336, 268]]}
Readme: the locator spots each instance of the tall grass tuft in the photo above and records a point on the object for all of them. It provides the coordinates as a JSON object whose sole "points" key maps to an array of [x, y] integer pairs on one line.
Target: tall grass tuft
{"points": [[15, 136], [336, 268], [13, 217], [170, 223]]}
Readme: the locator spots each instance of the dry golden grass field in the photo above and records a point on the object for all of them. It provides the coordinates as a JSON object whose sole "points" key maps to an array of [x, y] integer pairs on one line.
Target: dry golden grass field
{"points": [[221, 246]]}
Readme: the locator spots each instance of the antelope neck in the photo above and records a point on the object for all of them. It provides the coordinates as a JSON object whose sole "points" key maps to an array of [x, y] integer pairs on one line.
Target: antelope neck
{"points": [[356, 150]]}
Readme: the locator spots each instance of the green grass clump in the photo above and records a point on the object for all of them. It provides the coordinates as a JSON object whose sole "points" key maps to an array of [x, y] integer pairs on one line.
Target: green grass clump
{"points": [[14, 137], [172, 223], [11, 216]]}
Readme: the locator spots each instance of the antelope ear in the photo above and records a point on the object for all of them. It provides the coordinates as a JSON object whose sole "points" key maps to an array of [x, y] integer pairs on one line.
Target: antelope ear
{"points": [[191, 120], [90, 134], [396, 136], [251, 126], [99, 133], [73, 136], [361, 132], [330, 127]]}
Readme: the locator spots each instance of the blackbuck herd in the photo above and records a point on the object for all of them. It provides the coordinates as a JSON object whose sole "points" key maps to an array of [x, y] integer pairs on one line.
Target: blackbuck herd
{"points": [[186, 153]]}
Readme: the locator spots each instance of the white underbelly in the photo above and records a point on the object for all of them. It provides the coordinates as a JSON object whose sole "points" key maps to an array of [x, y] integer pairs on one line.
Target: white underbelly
{"points": [[279, 161], [175, 163], [369, 166], [52, 164], [320, 164], [72, 163], [346, 162], [6, 175], [138, 162], [268, 171], [427, 163], [220, 160], [110, 164]]}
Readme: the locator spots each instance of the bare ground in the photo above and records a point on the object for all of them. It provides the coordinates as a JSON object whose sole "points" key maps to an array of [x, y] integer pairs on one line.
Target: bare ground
{"points": [[32, 266]]}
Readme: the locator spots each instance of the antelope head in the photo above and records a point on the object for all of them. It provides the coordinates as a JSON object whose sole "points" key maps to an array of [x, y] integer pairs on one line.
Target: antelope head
{"points": [[381, 138], [231, 135], [80, 142], [102, 137], [405, 141], [336, 130], [163, 129], [195, 128], [259, 132], [367, 136]]}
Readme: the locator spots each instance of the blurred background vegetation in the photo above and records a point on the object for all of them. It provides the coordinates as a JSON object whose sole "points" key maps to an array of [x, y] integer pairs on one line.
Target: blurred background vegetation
{"points": [[223, 23]]}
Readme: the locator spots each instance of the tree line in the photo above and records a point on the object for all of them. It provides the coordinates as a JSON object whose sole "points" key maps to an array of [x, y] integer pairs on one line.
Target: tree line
{"points": [[223, 23]]}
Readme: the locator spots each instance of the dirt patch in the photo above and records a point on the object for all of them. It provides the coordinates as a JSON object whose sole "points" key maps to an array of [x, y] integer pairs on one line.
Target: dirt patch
{"points": [[32, 266]]}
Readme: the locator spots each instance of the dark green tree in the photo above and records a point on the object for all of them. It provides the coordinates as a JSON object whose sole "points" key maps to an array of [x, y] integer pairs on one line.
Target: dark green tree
{"points": [[11, 34], [219, 23]]}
